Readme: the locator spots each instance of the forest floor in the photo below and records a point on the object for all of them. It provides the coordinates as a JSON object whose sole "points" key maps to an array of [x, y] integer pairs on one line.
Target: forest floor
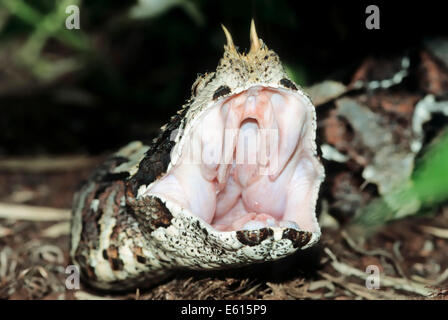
{"points": [[410, 254]]}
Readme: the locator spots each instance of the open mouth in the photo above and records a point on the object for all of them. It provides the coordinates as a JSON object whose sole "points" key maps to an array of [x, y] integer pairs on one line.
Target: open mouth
{"points": [[248, 162]]}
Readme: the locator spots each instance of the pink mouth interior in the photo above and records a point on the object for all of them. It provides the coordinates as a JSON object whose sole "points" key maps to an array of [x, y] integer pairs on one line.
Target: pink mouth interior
{"points": [[256, 166]]}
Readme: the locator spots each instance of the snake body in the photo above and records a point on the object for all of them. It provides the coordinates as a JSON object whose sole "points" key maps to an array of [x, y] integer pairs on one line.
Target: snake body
{"points": [[131, 225]]}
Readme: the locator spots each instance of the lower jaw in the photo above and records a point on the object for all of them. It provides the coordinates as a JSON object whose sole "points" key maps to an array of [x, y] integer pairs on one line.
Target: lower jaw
{"points": [[254, 221]]}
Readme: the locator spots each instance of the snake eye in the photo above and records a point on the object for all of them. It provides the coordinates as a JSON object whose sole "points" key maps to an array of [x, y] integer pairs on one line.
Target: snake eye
{"points": [[195, 86], [201, 82], [221, 91], [288, 84]]}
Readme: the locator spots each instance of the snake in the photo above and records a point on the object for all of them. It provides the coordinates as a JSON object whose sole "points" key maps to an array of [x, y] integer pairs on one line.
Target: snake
{"points": [[231, 180]]}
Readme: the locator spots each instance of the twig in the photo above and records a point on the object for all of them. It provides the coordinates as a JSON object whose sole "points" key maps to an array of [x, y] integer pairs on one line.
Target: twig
{"points": [[436, 232], [441, 278], [358, 290], [56, 230], [33, 213], [326, 91], [376, 252], [396, 249], [319, 284], [5, 232], [83, 295], [386, 281], [250, 290], [46, 164]]}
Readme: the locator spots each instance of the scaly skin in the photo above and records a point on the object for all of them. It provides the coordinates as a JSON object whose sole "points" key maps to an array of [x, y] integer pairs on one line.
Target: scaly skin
{"points": [[123, 240]]}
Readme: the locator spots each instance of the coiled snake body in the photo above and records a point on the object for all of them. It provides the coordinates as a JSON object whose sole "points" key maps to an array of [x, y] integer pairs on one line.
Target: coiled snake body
{"points": [[193, 198]]}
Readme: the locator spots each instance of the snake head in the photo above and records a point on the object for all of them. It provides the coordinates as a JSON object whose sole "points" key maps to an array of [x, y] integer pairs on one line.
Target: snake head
{"points": [[244, 174]]}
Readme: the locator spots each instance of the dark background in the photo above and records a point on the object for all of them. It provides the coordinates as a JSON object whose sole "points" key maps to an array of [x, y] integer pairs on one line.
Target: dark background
{"points": [[134, 73]]}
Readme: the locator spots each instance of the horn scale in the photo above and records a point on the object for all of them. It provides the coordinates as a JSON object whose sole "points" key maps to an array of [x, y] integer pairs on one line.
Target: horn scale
{"points": [[255, 42]]}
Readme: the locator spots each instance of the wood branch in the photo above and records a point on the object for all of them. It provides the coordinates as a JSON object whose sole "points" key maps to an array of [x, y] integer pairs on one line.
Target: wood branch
{"points": [[33, 213], [376, 252], [436, 232], [57, 230], [440, 279], [83, 295], [47, 164], [386, 281], [326, 91], [362, 291], [5, 232]]}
